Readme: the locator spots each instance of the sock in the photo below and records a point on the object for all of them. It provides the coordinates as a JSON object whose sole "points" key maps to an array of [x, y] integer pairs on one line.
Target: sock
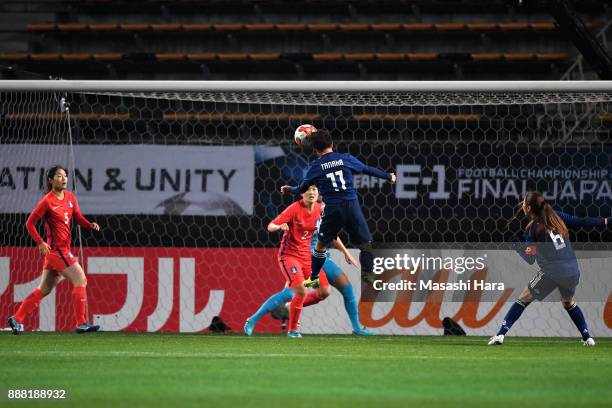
{"points": [[272, 303], [295, 310], [78, 304], [318, 259], [29, 304], [351, 305], [578, 318], [312, 298], [366, 259], [512, 316]]}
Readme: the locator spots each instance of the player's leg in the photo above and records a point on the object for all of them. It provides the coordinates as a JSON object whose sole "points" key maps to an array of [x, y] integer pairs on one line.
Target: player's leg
{"points": [[315, 296], [48, 280], [539, 287], [513, 314], [332, 220], [360, 235], [568, 291], [274, 301], [75, 274], [341, 282], [293, 270]]}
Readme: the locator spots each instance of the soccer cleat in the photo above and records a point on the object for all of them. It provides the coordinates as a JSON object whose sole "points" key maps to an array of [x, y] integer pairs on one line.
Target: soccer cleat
{"points": [[311, 283], [294, 334], [590, 342], [362, 331], [16, 327], [496, 340], [249, 326], [86, 328]]}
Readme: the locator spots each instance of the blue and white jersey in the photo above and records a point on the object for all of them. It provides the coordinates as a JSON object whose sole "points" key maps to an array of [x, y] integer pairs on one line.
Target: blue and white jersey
{"points": [[555, 254], [332, 173]]}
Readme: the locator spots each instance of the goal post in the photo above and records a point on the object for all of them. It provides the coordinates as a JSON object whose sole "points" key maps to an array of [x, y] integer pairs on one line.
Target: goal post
{"points": [[183, 178]]}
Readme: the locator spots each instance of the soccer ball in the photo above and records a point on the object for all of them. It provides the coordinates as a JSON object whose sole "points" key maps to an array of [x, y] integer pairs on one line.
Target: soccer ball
{"points": [[303, 132]]}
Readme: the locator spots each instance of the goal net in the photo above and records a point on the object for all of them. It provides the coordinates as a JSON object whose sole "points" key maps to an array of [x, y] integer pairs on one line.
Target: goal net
{"points": [[183, 178]]}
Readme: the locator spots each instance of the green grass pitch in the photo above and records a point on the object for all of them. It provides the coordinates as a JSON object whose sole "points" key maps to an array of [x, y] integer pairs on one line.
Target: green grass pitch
{"points": [[115, 369]]}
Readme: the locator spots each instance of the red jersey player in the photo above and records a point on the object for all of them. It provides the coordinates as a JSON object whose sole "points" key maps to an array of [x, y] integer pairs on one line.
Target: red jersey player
{"points": [[299, 222], [57, 208]]}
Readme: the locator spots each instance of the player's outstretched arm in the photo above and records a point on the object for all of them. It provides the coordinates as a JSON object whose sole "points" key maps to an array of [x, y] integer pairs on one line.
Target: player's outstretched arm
{"points": [[360, 167], [575, 222]]}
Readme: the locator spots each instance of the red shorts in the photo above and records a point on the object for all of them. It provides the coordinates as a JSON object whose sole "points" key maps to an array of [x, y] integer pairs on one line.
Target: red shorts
{"points": [[295, 271], [59, 259]]}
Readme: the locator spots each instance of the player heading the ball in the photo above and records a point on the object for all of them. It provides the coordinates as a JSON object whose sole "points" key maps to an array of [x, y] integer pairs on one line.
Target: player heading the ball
{"points": [[57, 208], [332, 173]]}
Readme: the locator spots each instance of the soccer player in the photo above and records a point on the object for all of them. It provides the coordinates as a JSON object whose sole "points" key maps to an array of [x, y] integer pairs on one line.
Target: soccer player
{"points": [[547, 242], [57, 208], [333, 173], [298, 238]]}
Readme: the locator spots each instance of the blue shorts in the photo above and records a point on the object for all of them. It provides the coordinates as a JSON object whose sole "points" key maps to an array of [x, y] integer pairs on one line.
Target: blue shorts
{"points": [[543, 284], [345, 215], [332, 271]]}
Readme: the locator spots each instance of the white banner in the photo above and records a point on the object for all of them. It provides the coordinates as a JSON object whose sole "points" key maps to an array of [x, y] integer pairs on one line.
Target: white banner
{"points": [[135, 179]]}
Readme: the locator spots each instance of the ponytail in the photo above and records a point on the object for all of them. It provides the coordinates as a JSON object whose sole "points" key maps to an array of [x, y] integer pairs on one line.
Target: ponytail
{"points": [[552, 222], [544, 213]]}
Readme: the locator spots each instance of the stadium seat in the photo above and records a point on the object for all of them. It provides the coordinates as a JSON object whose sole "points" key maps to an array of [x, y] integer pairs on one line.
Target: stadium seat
{"points": [[104, 27], [322, 27], [108, 56], [553, 56], [233, 56], [418, 27], [482, 26], [14, 56], [327, 56], [422, 56], [197, 27], [41, 27], [291, 27], [450, 26], [390, 56], [519, 56], [228, 27], [72, 27], [543, 26], [264, 56], [135, 27], [486, 56], [386, 27], [354, 27], [170, 56], [259, 27], [45, 56], [166, 27], [517, 26], [76, 56], [359, 56], [202, 56]]}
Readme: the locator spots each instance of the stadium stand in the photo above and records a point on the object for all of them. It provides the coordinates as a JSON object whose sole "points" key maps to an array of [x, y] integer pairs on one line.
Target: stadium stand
{"points": [[407, 39]]}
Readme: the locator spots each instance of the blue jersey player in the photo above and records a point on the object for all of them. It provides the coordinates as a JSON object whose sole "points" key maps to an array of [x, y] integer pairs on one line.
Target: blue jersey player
{"points": [[333, 173], [547, 243]]}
